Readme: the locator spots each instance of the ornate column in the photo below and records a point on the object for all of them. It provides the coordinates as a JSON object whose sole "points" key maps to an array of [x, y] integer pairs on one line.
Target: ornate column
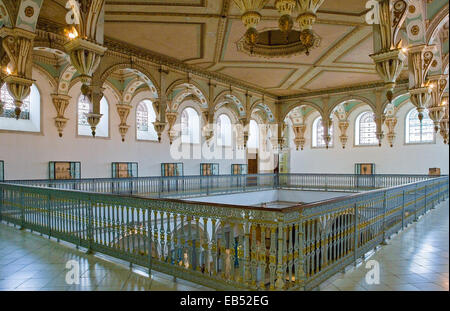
{"points": [[244, 122], [159, 128], [171, 118], [444, 125], [84, 51], [278, 135], [419, 62], [389, 57], [124, 111], [160, 123], [18, 45], [95, 95], [208, 127], [60, 102], [343, 126], [379, 116], [379, 120], [391, 122], [327, 123], [437, 83], [299, 132]]}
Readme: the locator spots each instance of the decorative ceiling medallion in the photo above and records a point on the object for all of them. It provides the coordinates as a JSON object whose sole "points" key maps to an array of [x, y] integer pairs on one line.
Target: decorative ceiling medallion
{"points": [[273, 43]]}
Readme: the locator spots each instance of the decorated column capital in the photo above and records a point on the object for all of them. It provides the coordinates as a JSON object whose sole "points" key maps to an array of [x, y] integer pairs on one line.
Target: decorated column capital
{"points": [[299, 132], [389, 56], [444, 124], [18, 46], [391, 122], [379, 120], [171, 117], [327, 123], [343, 126], [61, 102], [159, 128], [420, 58], [124, 111], [437, 83]]}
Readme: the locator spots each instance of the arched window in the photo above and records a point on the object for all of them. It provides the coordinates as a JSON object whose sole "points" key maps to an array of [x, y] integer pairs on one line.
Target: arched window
{"points": [[365, 129], [415, 133], [317, 134], [84, 129], [253, 135], [190, 126], [224, 136], [145, 116], [30, 116]]}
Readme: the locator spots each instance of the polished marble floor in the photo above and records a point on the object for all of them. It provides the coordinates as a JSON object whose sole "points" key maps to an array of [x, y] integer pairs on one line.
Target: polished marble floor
{"points": [[29, 262], [414, 260]]}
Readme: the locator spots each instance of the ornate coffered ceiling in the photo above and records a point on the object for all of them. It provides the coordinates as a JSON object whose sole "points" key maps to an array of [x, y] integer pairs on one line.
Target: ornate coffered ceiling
{"points": [[205, 33]]}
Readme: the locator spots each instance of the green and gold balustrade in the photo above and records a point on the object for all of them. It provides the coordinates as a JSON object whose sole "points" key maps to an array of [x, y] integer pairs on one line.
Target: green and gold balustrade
{"points": [[227, 247]]}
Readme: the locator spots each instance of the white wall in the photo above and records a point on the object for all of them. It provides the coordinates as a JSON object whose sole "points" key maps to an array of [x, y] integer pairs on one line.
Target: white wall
{"points": [[26, 155], [401, 159]]}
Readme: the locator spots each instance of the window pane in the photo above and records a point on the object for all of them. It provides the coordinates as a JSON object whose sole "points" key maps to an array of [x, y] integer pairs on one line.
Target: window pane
{"points": [[223, 130], [145, 116], [367, 129], [83, 108], [417, 133], [190, 126]]}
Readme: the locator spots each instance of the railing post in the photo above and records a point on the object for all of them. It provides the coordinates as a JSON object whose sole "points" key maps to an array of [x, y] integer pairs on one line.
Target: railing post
{"points": [[279, 283], [425, 204], [383, 242], [160, 187], [403, 209], [150, 244], [22, 211], [49, 215], [355, 235], [90, 232], [415, 204]]}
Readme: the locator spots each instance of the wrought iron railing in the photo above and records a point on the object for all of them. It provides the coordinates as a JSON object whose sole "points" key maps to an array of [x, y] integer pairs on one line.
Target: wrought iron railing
{"points": [[224, 246], [189, 186]]}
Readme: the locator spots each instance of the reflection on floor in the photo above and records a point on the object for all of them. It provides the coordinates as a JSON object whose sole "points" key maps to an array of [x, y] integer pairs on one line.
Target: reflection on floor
{"points": [[416, 259], [29, 262]]}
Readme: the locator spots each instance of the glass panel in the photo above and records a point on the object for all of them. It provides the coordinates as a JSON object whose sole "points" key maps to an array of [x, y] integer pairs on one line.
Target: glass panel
{"points": [[367, 129], [416, 132]]}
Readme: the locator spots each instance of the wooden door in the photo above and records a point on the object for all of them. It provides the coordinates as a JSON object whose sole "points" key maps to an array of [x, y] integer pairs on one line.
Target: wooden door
{"points": [[253, 166]]}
